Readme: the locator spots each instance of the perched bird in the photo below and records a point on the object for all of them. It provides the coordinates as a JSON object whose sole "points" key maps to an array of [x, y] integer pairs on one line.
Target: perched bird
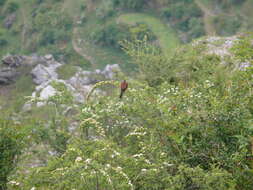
{"points": [[123, 87]]}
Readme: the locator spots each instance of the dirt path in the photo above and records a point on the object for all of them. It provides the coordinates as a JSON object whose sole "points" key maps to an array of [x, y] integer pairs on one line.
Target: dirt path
{"points": [[208, 14], [79, 46]]}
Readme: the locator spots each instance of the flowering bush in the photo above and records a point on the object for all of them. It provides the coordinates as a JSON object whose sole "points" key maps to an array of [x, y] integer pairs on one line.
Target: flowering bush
{"points": [[171, 136]]}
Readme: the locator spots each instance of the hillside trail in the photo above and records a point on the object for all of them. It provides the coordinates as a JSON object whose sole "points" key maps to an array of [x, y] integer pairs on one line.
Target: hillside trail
{"points": [[78, 43], [79, 46], [209, 27]]}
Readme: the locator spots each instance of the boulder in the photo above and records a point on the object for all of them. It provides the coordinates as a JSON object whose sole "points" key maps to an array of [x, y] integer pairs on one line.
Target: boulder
{"points": [[42, 73], [47, 92], [8, 76], [27, 107], [110, 71], [13, 60], [49, 57]]}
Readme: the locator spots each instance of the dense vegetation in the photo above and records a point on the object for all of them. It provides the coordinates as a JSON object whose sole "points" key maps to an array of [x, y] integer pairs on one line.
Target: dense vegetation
{"points": [[184, 123], [188, 126]]}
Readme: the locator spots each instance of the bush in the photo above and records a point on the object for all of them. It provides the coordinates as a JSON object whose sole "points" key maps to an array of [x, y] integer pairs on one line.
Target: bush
{"points": [[186, 17], [110, 35], [196, 27], [3, 42], [130, 4], [47, 37], [193, 136], [11, 145], [227, 26], [2, 2], [12, 7]]}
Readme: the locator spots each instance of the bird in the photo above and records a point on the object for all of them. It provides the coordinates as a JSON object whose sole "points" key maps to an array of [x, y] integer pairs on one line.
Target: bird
{"points": [[123, 87]]}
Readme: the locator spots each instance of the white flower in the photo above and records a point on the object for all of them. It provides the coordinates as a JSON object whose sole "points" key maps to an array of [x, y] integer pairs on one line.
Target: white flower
{"points": [[78, 159], [137, 155], [88, 161], [167, 164], [143, 170], [119, 168], [163, 154], [108, 165], [14, 183], [33, 188]]}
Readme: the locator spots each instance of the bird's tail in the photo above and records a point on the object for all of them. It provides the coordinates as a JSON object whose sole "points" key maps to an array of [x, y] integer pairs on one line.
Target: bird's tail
{"points": [[121, 94]]}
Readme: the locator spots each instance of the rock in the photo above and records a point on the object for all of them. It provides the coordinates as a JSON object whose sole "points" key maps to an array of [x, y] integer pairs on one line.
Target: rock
{"points": [[82, 78], [42, 74], [8, 76], [9, 20], [27, 107], [49, 57], [73, 126], [34, 60], [242, 66], [47, 92], [13, 60], [110, 71]]}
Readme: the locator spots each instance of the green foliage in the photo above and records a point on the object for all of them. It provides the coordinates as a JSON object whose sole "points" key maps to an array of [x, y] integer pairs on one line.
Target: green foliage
{"points": [[185, 16], [113, 34], [243, 48], [12, 7], [12, 142], [3, 42], [130, 4], [105, 10], [63, 95], [2, 2], [66, 71], [227, 25], [193, 134]]}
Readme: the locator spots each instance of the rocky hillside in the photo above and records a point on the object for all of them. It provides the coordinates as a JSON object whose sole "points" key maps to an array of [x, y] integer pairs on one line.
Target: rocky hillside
{"points": [[44, 73]]}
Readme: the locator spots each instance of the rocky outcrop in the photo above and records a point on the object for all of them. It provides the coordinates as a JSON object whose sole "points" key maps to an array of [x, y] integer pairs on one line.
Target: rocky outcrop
{"points": [[13, 60], [221, 47], [79, 85], [8, 76], [42, 73], [8, 69], [43, 70]]}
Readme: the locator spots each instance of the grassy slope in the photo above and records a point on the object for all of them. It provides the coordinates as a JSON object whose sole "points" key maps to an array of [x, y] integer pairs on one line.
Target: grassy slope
{"points": [[166, 36], [244, 10]]}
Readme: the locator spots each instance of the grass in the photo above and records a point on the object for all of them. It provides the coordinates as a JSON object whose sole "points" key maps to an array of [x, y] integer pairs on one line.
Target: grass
{"points": [[14, 97], [66, 71], [73, 9], [167, 38], [102, 55]]}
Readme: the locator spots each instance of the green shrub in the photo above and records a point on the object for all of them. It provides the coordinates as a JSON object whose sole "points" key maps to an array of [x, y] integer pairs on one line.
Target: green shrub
{"points": [[12, 7], [110, 35], [2, 2], [227, 26], [3, 42], [12, 142], [130, 4]]}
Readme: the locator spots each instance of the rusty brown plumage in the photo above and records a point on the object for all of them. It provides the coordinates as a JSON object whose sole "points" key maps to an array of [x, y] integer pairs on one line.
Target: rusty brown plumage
{"points": [[123, 87]]}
